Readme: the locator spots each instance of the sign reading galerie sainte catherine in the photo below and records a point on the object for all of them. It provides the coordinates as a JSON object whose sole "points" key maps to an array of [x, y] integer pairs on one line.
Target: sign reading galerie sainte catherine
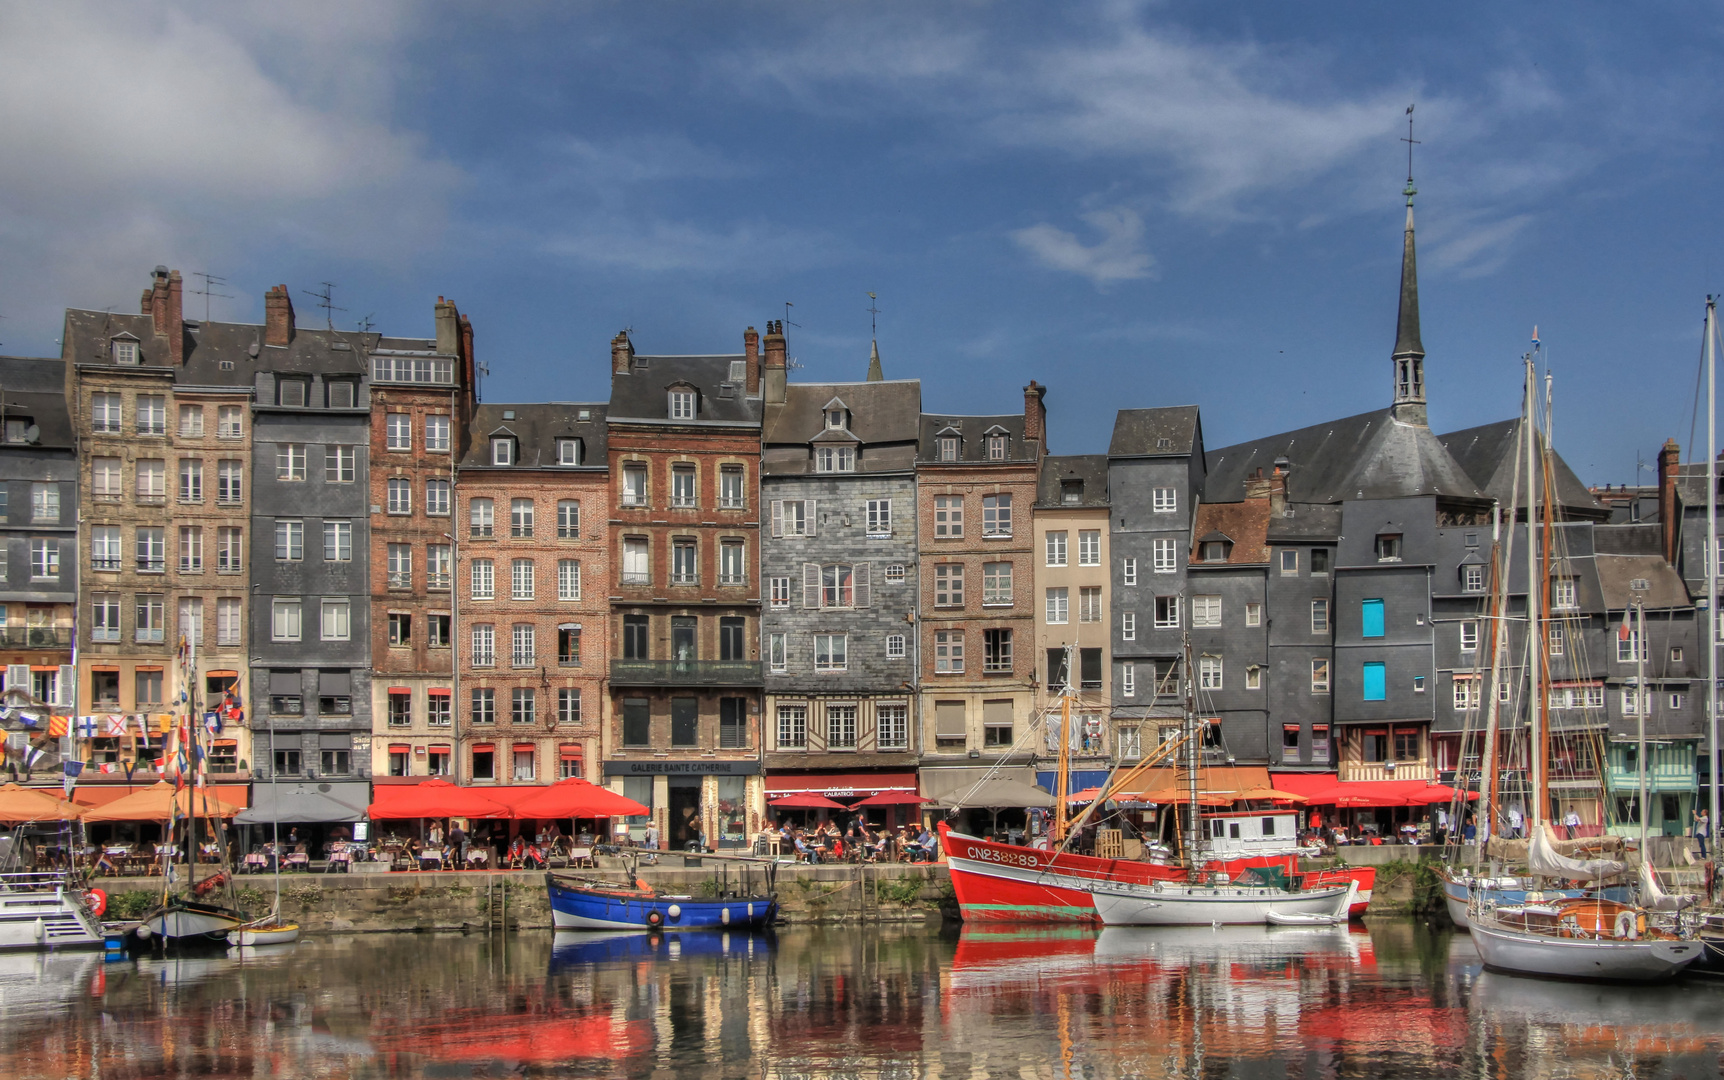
{"points": [[652, 767]]}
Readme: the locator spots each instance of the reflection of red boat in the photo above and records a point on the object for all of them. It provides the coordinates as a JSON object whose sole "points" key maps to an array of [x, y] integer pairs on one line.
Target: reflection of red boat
{"points": [[544, 1037], [1012, 883]]}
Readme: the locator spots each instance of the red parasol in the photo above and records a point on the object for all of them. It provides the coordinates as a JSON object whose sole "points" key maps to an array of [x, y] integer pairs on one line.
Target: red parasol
{"points": [[892, 798], [576, 798], [434, 799], [808, 801]]}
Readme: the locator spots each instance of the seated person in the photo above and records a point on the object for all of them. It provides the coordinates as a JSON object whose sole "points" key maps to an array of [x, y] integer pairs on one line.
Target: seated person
{"points": [[805, 850]]}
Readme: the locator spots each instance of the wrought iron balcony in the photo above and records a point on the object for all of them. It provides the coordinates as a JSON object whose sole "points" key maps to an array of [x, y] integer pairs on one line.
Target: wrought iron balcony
{"points": [[685, 673], [35, 637]]}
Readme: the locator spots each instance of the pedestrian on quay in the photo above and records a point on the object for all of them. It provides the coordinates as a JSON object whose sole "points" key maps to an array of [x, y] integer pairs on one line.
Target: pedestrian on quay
{"points": [[1571, 822], [458, 844], [650, 838], [1514, 823], [1702, 829]]}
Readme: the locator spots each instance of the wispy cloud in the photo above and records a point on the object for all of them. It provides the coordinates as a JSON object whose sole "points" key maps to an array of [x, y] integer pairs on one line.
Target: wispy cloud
{"points": [[649, 243], [1117, 256]]}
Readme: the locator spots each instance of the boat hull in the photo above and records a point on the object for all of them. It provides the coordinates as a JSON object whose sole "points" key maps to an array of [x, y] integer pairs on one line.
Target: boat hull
{"points": [[263, 935], [43, 918], [1170, 904], [187, 923], [594, 907], [1518, 953]]}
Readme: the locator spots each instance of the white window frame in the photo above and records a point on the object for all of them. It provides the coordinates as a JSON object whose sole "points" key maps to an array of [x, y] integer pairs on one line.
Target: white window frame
{"points": [[948, 517], [997, 584], [879, 517], [1057, 608], [1209, 673], [437, 497], [997, 519], [437, 433], [1469, 633], [284, 621], [895, 647], [400, 495], [1128, 679], [568, 579], [568, 519], [1128, 626], [1089, 547], [502, 451], [398, 431], [1164, 500], [778, 596], [568, 452], [831, 652], [681, 404], [1055, 548], [1320, 616], [340, 464], [336, 620], [290, 462], [482, 579], [1205, 611], [1166, 557], [523, 579], [778, 652], [949, 652], [1128, 571]]}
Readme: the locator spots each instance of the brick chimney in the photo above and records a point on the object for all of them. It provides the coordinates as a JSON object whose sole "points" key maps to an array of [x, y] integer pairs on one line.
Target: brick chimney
{"points": [[1277, 493], [1668, 515], [622, 354], [1035, 416], [751, 358], [467, 350], [277, 317], [774, 374], [167, 314]]}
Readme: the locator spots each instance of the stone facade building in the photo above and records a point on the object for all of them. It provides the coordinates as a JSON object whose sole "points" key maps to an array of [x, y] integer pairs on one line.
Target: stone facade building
{"points": [[838, 537], [684, 732], [534, 608]]}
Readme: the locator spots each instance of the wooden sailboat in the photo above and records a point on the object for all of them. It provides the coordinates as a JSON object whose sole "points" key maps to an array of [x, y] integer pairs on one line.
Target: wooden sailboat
{"points": [[269, 930]]}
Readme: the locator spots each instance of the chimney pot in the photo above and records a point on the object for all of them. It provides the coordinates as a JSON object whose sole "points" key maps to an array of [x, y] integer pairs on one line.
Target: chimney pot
{"points": [[622, 354]]}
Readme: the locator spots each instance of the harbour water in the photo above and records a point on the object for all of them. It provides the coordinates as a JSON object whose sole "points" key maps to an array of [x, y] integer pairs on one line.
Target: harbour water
{"points": [[1399, 999]]}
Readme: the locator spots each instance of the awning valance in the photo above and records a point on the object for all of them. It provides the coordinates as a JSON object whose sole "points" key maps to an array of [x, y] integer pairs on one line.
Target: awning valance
{"points": [[838, 785]]}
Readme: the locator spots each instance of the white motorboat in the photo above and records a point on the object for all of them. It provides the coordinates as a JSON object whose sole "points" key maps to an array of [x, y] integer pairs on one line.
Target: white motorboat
{"points": [[1173, 903], [266, 933], [45, 911]]}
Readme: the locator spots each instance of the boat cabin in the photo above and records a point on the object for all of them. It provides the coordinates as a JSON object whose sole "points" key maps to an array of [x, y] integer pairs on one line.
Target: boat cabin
{"points": [[1240, 833]]}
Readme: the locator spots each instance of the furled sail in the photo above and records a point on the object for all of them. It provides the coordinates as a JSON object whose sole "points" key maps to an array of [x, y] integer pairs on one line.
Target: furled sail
{"points": [[1543, 859]]}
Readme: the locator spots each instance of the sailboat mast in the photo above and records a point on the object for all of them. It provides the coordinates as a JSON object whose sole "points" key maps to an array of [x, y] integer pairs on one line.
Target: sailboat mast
{"points": [[1711, 558], [1193, 752], [1534, 592], [1640, 706], [1063, 782]]}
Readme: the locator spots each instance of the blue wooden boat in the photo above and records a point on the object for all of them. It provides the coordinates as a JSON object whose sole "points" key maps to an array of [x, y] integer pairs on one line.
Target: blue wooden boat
{"points": [[599, 905]]}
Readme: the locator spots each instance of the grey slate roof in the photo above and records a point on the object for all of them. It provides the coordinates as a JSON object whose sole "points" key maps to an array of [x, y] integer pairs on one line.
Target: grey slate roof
{"points": [[1487, 454], [1691, 483], [1143, 431], [643, 394], [35, 387], [1368, 456], [1091, 469], [1309, 522], [883, 419], [207, 345], [1617, 572], [537, 427], [973, 430], [1640, 539]]}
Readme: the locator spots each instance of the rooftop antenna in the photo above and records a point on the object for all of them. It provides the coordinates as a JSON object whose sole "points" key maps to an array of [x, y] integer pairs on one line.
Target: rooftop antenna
{"points": [[325, 301], [366, 324], [1411, 142], [787, 306], [213, 284], [873, 310]]}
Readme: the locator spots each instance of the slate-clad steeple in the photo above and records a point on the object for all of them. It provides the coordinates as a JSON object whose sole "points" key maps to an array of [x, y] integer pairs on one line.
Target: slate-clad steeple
{"points": [[1409, 354], [875, 374]]}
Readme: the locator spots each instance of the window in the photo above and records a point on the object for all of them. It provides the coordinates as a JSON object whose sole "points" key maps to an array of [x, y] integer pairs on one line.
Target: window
{"points": [[1630, 705], [778, 652], [684, 570], [1627, 647], [778, 593], [502, 451], [948, 447], [284, 620], [105, 548], [400, 628], [792, 727], [948, 516], [569, 645], [437, 498], [483, 579], [191, 549], [1388, 547], [400, 495], [484, 702], [1562, 594], [521, 517], [1071, 492], [730, 492], [893, 723], [1676, 701], [1089, 604], [684, 722], [1253, 614], [484, 638], [840, 727], [400, 566], [337, 540], [830, 459], [682, 484], [1128, 571], [523, 652], [340, 464], [152, 414], [568, 519], [1128, 626], [337, 625], [879, 517], [830, 652], [191, 422], [634, 485], [1469, 635], [1209, 673], [1557, 643], [1466, 693], [1319, 676], [732, 569], [1165, 500], [1058, 606], [997, 724], [1166, 558], [147, 686], [45, 501], [1319, 561], [151, 553], [152, 480], [997, 651], [290, 461], [793, 517], [1166, 612], [1289, 563], [523, 709], [105, 617], [1089, 547], [1253, 677], [1128, 679], [1473, 578], [568, 579], [229, 482], [682, 405], [997, 584], [1058, 675], [949, 585], [636, 569], [1375, 682], [996, 515], [1371, 618], [521, 579], [229, 422], [949, 651], [894, 646], [997, 447], [894, 573], [437, 715], [191, 485], [287, 762], [105, 482], [398, 428], [437, 631], [480, 516], [1215, 550], [1206, 611], [1319, 616], [437, 433], [1055, 542], [229, 620], [292, 392], [230, 547], [105, 414]]}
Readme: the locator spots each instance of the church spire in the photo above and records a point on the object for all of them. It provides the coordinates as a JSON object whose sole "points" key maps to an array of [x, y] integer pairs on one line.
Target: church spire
{"points": [[1409, 355], [875, 374]]}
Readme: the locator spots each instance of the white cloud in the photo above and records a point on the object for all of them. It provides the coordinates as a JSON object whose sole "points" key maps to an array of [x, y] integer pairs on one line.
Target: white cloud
{"points": [[1476, 248], [1117, 256]]}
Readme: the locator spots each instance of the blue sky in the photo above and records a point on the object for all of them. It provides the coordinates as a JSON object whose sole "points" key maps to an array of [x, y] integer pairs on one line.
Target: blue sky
{"points": [[1136, 204]]}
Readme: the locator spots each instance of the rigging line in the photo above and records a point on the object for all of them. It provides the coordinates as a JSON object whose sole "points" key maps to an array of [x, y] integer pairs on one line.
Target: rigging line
{"points": [[1694, 415]]}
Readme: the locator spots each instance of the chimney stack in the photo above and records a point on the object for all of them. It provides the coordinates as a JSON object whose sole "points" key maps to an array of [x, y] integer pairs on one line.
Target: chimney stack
{"points": [[448, 322], [466, 369], [774, 375], [167, 314], [277, 317], [751, 358], [622, 354], [1668, 460], [1035, 416]]}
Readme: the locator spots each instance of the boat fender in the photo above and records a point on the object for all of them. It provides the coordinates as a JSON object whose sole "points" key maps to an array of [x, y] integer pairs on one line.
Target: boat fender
{"points": [[724, 917], [97, 901], [143, 932], [210, 884], [40, 930], [642, 886], [675, 912], [1625, 925], [654, 919]]}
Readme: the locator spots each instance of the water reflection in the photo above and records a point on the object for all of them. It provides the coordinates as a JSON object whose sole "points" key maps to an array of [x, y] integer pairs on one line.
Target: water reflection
{"points": [[1398, 1000]]}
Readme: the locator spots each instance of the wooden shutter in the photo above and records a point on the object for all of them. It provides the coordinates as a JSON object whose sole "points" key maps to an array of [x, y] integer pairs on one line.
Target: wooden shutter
{"points": [[810, 585], [860, 582], [18, 677], [777, 517], [810, 506], [64, 687]]}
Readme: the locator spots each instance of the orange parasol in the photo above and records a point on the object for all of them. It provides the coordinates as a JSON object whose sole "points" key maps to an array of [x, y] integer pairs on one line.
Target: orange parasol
{"points": [[160, 801], [33, 804], [1271, 793]]}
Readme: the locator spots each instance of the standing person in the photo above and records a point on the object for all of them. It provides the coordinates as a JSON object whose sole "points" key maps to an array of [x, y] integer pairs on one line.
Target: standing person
{"points": [[435, 836], [1514, 823], [458, 843], [1571, 822], [650, 838], [1702, 829]]}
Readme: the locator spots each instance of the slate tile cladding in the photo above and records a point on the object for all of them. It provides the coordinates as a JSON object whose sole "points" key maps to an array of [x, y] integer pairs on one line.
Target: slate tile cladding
{"points": [[838, 574], [39, 487]]}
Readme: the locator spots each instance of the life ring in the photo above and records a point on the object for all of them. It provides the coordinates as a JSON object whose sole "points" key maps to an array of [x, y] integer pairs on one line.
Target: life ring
{"points": [[654, 919], [97, 901], [1625, 927], [210, 884]]}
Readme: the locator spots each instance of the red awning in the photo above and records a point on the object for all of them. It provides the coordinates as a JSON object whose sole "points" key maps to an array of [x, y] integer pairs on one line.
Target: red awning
{"points": [[1326, 789], [401, 690], [435, 798], [838, 785]]}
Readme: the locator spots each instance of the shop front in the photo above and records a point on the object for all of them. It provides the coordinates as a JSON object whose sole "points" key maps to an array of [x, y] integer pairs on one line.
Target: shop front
{"points": [[700, 803], [896, 801]]}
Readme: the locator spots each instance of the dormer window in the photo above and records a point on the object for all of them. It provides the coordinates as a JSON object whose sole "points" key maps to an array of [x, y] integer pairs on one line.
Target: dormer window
{"points": [[1388, 547], [291, 392], [948, 446], [682, 404], [835, 419], [125, 352], [997, 445], [1216, 550], [17, 429], [1071, 492], [340, 394], [835, 459], [502, 451], [568, 451]]}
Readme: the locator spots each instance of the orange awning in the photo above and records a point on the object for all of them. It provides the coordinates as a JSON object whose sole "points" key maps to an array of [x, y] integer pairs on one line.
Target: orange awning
{"points": [[158, 802], [35, 804], [1217, 785]]}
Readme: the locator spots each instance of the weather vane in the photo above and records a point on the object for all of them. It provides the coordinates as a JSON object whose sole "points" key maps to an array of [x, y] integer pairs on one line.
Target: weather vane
{"points": [[873, 310], [1411, 142]]}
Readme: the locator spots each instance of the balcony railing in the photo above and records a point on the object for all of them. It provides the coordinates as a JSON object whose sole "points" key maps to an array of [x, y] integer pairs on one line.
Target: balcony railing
{"points": [[35, 637], [685, 672]]}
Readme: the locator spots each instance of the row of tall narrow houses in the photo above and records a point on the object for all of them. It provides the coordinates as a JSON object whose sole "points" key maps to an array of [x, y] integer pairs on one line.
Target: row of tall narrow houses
{"points": [[720, 588]]}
